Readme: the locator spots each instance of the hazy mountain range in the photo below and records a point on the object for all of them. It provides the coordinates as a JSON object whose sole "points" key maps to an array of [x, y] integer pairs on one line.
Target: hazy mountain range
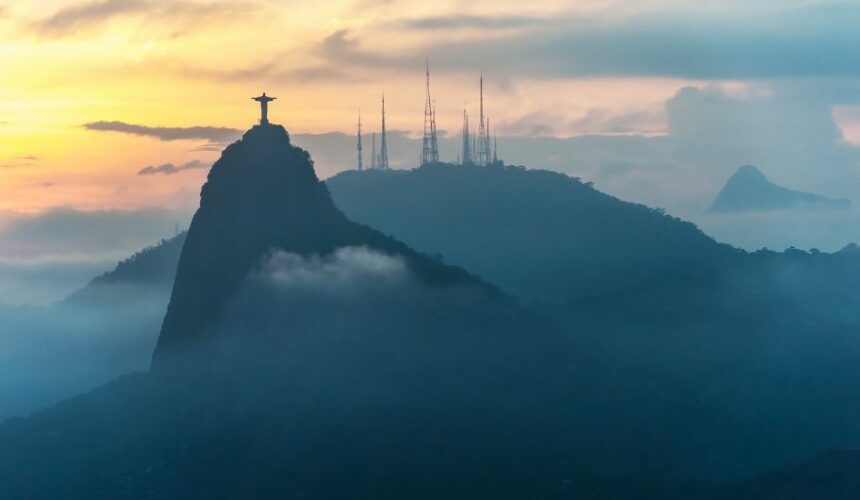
{"points": [[519, 334]]}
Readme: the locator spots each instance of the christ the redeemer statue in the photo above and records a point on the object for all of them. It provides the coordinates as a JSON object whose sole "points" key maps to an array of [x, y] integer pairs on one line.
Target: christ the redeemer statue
{"points": [[264, 101]]}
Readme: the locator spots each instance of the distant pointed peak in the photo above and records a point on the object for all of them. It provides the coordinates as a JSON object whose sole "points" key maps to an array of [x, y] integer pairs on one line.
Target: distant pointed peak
{"points": [[749, 171], [749, 189]]}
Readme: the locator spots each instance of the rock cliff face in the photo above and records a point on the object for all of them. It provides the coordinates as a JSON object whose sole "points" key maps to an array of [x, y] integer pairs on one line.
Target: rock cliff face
{"points": [[263, 195]]}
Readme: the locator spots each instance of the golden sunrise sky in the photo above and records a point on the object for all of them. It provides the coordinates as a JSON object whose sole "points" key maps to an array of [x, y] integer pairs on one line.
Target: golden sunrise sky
{"points": [[556, 68]]}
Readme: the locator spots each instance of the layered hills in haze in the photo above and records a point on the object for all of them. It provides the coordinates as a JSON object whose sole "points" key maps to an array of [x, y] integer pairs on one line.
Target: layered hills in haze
{"points": [[151, 271], [306, 355], [748, 189]]}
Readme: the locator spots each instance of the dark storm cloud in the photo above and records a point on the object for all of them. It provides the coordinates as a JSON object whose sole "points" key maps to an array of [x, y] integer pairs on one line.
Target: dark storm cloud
{"points": [[212, 134]]}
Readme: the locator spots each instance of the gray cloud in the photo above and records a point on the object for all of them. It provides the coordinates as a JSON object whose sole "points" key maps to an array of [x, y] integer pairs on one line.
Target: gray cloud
{"points": [[346, 271], [88, 15], [533, 124], [313, 74], [43, 281], [798, 137], [83, 15], [170, 168], [212, 134], [270, 70], [776, 43], [68, 233], [208, 147], [342, 48], [470, 21], [604, 121], [372, 291]]}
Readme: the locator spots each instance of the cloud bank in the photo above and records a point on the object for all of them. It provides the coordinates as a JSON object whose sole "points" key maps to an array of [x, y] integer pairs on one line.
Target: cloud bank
{"points": [[347, 271], [84, 16], [212, 134], [170, 168], [67, 232], [787, 42], [44, 257]]}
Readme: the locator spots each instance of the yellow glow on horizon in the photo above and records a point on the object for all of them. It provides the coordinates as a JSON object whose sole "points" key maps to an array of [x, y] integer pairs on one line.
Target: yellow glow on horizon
{"points": [[186, 68]]}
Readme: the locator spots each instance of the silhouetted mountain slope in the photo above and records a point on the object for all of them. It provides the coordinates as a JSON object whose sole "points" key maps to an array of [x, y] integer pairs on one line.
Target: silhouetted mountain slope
{"points": [[539, 234], [748, 189], [303, 355], [143, 437], [306, 356], [833, 475], [351, 366], [688, 342], [153, 267], [263, 195]]}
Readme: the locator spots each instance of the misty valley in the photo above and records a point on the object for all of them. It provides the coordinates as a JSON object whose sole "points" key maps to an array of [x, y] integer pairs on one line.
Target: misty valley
{"points": [[402, 250], [449, 331]]}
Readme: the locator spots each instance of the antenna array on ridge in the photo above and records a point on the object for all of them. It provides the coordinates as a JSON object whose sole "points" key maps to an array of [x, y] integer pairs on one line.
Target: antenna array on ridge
{"points": [[482, 152], [466, 158], [358, 146], [429, 143], [382, 164], [475, 148]]}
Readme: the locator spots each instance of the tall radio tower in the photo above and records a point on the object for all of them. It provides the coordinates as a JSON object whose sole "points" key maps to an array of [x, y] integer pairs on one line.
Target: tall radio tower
{"points": [[358, 146], [382, 164], [373, 152], [483, 142], [467, 141], [434, 142], [429, 144]]}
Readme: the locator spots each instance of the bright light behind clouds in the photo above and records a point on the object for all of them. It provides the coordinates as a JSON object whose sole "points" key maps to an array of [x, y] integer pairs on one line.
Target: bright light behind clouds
{"points": [[552, 68]]}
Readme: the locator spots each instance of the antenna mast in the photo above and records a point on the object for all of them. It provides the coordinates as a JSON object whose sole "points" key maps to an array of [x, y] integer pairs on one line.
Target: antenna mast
{"points": [[467, 141], [429, 144], [373, 152], [383, 147], [426, 142], [434, 142], [483, 149], [358, 147]]}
